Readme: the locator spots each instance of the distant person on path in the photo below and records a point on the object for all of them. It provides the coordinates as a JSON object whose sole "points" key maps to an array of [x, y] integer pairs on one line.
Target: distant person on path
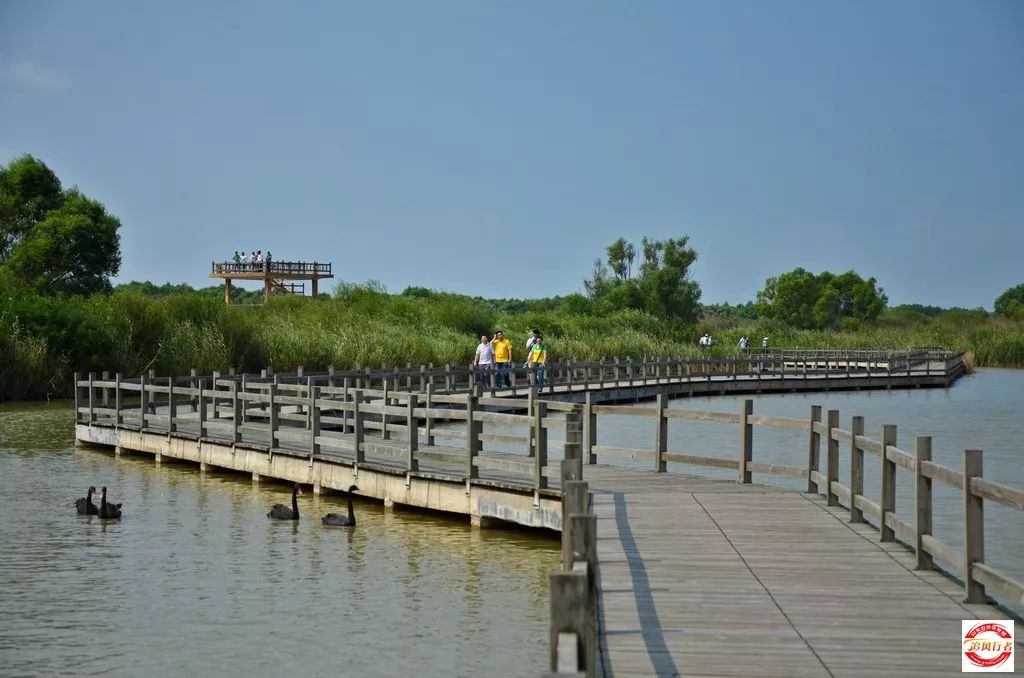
{"points": [[744, 342], [537, 358], [502, 359], [257, 258], [245, 260], [705, 341], [483, 360], [764, 344], [236, 259]]}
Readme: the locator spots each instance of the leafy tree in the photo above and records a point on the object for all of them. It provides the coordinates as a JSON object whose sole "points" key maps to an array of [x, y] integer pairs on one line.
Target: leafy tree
{"points": [[663, 286], [1011, 302], [53, 240], [74, 249], [807, 301], [28, 191]]}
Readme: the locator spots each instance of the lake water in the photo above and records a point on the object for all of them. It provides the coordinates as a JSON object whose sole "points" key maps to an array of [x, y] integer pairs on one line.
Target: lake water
{"points": [[196, 579]]}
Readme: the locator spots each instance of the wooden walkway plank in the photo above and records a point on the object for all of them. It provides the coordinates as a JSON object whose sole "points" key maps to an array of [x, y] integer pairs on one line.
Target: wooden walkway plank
{"points": [[711, 578]]}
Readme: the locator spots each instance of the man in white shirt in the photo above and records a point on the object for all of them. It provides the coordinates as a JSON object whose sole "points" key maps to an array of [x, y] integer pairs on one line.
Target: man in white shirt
{"points": [[532, 340], [484, 360]]}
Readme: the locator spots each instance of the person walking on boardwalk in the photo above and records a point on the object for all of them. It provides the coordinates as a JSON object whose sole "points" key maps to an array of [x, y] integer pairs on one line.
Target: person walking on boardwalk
{"points": [[764, 344], [537, 358], [502, 359], [533, 338], [236, 259], [483, 360]]}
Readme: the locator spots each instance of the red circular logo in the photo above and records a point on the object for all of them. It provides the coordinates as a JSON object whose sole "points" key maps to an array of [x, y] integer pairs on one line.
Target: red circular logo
{"points": [[995, 645]]}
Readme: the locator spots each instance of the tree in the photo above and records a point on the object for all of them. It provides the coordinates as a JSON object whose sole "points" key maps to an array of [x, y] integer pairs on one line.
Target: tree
{"points": [[28, 191], [663, 286], [807, 301], [1011, 302], [74, 249]]}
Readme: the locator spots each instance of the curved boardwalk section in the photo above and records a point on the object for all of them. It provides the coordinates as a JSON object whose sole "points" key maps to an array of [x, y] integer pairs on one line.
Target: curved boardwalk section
{"points": [[701, 577]]}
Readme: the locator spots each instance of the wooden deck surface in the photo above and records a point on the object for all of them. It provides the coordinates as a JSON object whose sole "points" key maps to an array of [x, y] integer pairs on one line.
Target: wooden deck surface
{"points": [[710, 578]]}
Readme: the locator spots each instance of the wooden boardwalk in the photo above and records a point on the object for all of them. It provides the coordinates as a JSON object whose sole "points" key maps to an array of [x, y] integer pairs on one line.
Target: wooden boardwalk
{"points": [[712, 578]]}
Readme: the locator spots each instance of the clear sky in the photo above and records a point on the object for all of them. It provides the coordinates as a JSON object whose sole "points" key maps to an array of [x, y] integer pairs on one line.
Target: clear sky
{"points": [[497, 148]]}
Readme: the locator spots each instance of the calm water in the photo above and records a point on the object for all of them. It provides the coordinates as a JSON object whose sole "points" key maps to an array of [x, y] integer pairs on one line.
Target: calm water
{"points": [[196, 579], [983, 411]]}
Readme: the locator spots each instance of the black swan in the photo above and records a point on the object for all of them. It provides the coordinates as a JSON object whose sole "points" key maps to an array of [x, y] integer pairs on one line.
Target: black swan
{"points": [[108, 510], [282, 512], [84, 504], [337, 518]]}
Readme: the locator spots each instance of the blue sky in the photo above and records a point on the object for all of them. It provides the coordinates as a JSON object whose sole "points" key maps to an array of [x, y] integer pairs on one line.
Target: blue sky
{"points": [[497, 148]]}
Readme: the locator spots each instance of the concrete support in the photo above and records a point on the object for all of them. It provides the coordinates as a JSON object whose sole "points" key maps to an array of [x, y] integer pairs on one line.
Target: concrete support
{"points": [[202, 467], [315, 287], [316, 488], [389, 502], [227, 291], [255, 477], [158, 457]]}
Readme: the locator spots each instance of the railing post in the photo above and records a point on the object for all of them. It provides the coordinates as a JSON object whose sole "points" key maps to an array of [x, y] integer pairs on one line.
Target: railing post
{"points": [[574, 501], [105, 397], [540, 436], [412, 437], [922, 502], [201, 409], [473, 427], [194, 373], [92, 412], [856, 469], [589, 428], [573, 448], [117, 399], [448, 377], [888, 499], [237, 407], [314, 420], [272, 410], [744, 475], [346, 397], [974, 528], [78, 397], [359, 425], [832, 459], [172, 407], [216, 376], [427, 420], [143, 400], [660, 435], [569, 616], [384, 433], [813, 450]]}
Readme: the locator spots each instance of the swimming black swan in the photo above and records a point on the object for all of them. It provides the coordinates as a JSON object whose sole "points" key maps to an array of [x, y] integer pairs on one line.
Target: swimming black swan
{"points": [[84, 504], [337, 518], [108, 510], [282, 512]]}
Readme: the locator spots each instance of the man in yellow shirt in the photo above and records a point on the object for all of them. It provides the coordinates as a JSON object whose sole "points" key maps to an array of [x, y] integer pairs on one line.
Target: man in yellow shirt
{"points": [[502, 359]]}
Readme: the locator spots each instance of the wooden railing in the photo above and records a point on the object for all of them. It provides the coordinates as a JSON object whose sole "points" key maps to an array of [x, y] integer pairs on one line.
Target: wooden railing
{"points": [[977, 576], [756, 370], [306, 419], [574, 589], [282, 268]]}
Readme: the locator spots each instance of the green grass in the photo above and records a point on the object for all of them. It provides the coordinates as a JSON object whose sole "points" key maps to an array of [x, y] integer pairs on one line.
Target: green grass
{"points": [[43, 340]]}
